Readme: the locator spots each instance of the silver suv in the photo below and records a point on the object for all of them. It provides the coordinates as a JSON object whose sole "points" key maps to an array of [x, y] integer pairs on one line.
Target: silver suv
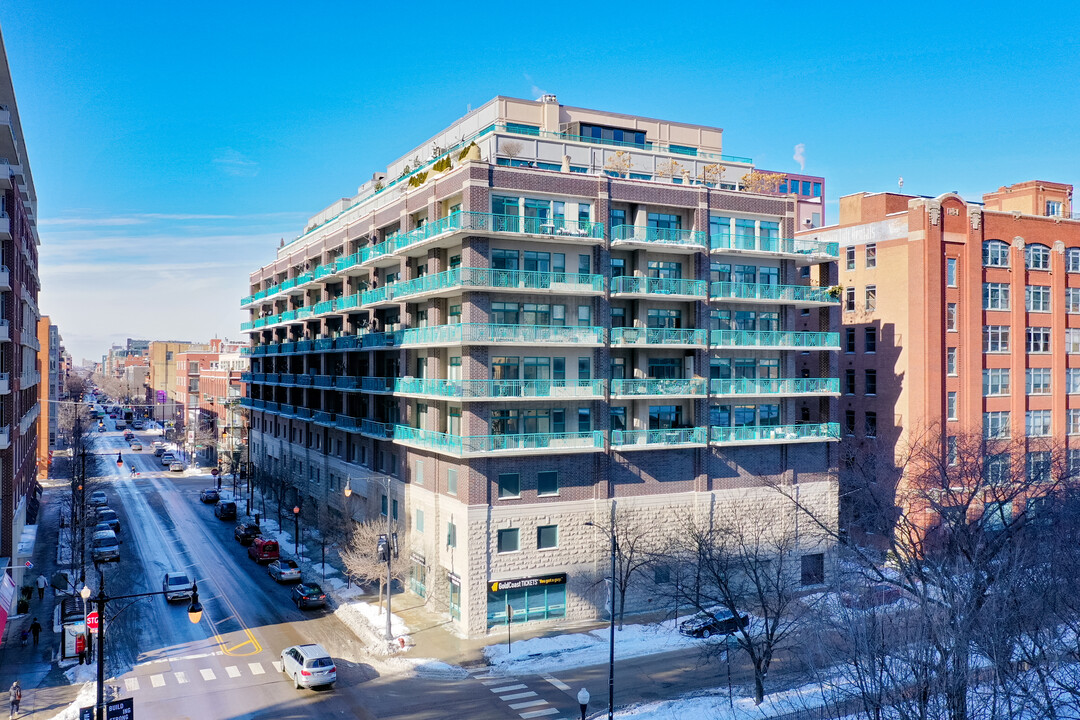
{"points": [[104, 547], [308, 666]]}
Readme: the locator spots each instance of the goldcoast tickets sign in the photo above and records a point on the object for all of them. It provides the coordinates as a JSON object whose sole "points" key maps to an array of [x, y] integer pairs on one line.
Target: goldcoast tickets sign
{"points": [[525, 583]]}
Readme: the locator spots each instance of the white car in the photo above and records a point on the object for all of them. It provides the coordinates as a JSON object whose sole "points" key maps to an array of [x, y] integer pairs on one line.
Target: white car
{"points": [[308, 666], [176, 466], [168, 459], [177, 586]]}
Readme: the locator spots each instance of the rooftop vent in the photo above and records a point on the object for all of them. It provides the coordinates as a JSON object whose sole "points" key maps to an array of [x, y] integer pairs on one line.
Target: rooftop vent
{"points": [[549, 98]]}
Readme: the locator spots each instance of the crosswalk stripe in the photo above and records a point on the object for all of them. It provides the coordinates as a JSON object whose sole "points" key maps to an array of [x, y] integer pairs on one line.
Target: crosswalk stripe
{"points": [[528, 704], [518, 696], [232, 671], [181, 677], [157, 680], [132, 684], [256, 668], [557, 683], [208, 674], [277, 665], [496, 681], [538, 713], [508, 688]]}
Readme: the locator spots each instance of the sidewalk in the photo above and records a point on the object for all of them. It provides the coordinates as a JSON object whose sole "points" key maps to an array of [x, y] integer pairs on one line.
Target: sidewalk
{"points": [[46, 691]]}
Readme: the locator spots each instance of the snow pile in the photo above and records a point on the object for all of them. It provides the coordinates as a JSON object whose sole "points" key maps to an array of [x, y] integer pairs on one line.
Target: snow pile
{"points": [[81, 674], [86, 698], [717, 706], [426, 667]]}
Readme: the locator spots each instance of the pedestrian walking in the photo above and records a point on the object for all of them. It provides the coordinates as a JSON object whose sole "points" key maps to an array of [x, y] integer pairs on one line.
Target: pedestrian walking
{"points": [[14, 697], [41, 583], [35, 629]]}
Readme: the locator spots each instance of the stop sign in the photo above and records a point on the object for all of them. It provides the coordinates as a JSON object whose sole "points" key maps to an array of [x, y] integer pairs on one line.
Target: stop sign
{"points": [[215, 472], [92, 621]]}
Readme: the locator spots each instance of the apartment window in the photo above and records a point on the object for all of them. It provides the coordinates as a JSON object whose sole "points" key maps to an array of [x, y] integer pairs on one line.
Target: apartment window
{"points": [[1072, 300], [996, 425], [849, 299], [950, 317], [869, 339], [508, 540], [850, 254], [547, 483], [995, 296], [950, 405], [995, 381], [584, 315], [1037, 423], [950, 272], [547, 537], [1072, 381], [849, 340], [1038, 381], [1037, 298], [451, 481], [871, 255], [849, 422], [1074, 463], [871, 424], [849, 381], [813, 569], [509, 485], [997, 468], [1072, 260], [1053, 208], [871, 298], [1072, 340], [950, 361], [418, 520], [995, 253], [584, 420], [1037, 257], [1074, 422], [871, 382], [1038, 339], [1038, 464], [952, 456], [584, 368], [996, 338]]}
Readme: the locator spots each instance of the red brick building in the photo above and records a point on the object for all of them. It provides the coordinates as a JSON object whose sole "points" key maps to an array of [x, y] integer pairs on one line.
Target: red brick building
{"points": [[208, 391]]}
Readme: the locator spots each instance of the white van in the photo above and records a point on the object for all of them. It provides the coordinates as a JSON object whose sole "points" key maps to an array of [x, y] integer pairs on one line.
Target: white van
{"points": [[104, 547]]}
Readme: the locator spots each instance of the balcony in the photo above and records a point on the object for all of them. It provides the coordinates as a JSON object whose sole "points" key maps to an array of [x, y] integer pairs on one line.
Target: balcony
{"points": [[346, 382], [5, 438], [775, 387], [773, 434], [798, 295], [377, 430], [344, 422], [775, 340], [323, 418], [651, 237], [5, 279], [518, 444], [379, 385], [454, 281], [488, 334], [493, 390], [659, 288], [652, 387], [658, 337], [628, 440], [303, 413], [802, 251], [5, 383], [324, 381], [5, 330]]}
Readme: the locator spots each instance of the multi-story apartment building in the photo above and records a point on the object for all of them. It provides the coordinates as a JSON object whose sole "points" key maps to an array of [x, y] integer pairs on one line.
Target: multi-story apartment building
{"points": [[208, 389], [809, 193], [161, 379], [958, 316], [547, 312], [48, 393], [19, 285]]}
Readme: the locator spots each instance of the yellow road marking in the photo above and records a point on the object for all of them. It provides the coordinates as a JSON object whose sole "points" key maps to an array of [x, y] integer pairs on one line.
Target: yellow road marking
{"points": [[256, 648]]}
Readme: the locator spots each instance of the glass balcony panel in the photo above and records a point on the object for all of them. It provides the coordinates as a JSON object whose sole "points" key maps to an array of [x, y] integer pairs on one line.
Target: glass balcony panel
{"points": [[765, 433], [653, 386], [661, 236], [657, 286], [657, 336], [681, 436], [778, 293], [778, 338], [776, 386]]}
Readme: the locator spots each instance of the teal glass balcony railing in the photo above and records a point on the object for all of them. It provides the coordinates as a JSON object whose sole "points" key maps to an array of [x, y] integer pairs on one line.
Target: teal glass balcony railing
{"points": [[382, 431], [774, 433], [556, 227], [347, 302], [248, 325], [487, 333], [774, 339], [304, 313], [324, 306], [775, 293], [662, 236], [776, 386], [657, 286], [377, 384], [324, 270], [623, 439], [657, 336], [303, 413], [499, 389], [467, 278], [653, 386], [324, 381], [347, 423], [247, 402], [769, 244], [322, 418], [479, 444], [304, 380], [346, 382], [323, 343]]}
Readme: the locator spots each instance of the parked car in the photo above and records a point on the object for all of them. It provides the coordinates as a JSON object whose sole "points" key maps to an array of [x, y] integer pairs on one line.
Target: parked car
{"points": [[159, 450], [209, 495], [98, 499], [167, 458], [284, 571], [704, 625], [308, 666], [102, 526], [263, 550], [137, 425], [112, 416], [136, 445], [225, 510], [176, 466], [308, 595], [128, 435], [105, 515], [177, 586], [871, 597], [104, 547], [245, 533]]}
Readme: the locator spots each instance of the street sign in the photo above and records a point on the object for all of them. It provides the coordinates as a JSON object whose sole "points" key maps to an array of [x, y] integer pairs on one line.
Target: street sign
{"points": [[86, 713], [92, 621], [215, 472], [29, 565], [123, 709]]}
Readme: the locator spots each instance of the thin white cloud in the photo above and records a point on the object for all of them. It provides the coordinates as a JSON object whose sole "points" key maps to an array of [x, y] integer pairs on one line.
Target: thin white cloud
{"points": [[536, 90], [233, 162], [800, 155], [91, 222]]}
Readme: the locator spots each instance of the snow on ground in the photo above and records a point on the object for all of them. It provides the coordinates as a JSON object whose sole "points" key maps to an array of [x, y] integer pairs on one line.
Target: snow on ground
{"points": [[87, 697], [426, 667], [717, 706]]}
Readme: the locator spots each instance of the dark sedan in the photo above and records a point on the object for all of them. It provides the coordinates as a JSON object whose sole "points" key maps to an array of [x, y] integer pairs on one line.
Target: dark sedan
{"points": [[245, 533], [209, 495], [225, 510], [705, 625], [308, 595]]}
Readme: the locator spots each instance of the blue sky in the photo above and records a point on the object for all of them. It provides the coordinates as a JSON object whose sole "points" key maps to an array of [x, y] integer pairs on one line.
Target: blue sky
{"points": [[173, 144]]}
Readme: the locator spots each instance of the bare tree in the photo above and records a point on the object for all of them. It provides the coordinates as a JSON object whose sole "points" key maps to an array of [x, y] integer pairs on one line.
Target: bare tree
{"points": [[360, 555], [637, 545]]}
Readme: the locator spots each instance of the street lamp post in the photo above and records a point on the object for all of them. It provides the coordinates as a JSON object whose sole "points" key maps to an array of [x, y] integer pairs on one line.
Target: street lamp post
{"points": [[296, 536], [611, 648], [195, 611], [583, 701]]}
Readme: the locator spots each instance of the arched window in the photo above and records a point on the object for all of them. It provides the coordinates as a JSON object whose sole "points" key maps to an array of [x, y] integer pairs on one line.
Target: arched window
{"points": [[1037, 257], [995, 253], [1072, 260]]}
